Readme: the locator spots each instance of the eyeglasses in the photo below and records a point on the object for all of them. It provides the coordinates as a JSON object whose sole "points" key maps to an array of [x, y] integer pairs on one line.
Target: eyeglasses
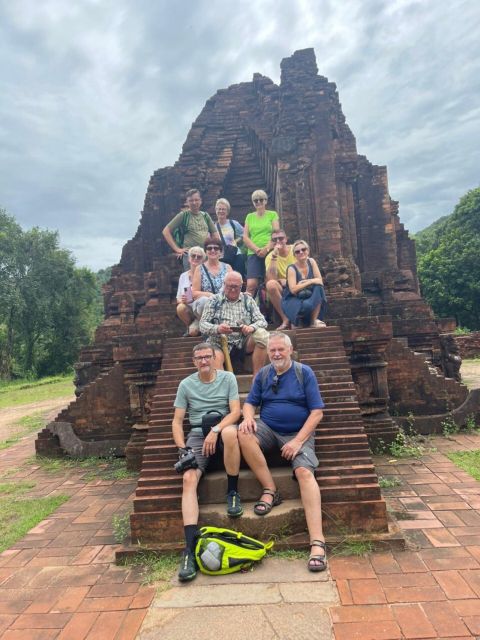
{"points": [[300, 250], [275, 384], [233, 286], [196, 256], [279, 239], [199, 358], [212, 247], [257, 200]]}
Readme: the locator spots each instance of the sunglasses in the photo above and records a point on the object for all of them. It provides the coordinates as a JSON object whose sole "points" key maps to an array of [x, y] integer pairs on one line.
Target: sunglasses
{"points": [[257, 200], [212, 247], [275, 384], [196, 256], [279, 239], [300, 250]]}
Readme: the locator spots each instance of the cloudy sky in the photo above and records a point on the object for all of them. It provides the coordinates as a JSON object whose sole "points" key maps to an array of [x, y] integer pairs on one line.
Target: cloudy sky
{"points": [[97, 94]]}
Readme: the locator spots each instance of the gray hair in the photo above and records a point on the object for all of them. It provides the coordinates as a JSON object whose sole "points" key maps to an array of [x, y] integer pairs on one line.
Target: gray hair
{"points": [[280, 334], [223, 201], [201, 346], [197, 250]]}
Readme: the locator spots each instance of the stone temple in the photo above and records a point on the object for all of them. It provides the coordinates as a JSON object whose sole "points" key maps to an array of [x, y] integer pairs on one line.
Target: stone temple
{"points": [[383, 355]]}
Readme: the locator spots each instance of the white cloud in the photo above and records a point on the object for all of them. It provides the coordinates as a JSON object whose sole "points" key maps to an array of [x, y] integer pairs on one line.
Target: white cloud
{"points": [[97, 95]]}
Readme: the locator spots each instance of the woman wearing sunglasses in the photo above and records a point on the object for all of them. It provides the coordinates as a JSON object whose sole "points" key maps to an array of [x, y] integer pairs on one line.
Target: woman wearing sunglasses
{"points": [[196, 255], [208, 278], [304, 302], [257, 237]]}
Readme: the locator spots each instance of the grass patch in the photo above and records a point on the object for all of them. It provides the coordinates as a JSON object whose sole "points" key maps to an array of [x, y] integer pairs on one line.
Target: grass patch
{"points": [[389, 483], [121, 527], [156, 568], [27, 391], [28, 424], [110, 468], [15, 488], [19, 515], [288, 554], [352, 547], [469, 461]]}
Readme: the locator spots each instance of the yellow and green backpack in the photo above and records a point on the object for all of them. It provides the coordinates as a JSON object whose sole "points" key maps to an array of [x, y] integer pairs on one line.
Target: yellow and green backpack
{"points": [[220, 551]]}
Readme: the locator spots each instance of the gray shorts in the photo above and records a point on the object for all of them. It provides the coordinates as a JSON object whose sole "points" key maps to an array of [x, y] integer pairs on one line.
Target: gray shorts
{"points": [[270, 439], [195, 439]]}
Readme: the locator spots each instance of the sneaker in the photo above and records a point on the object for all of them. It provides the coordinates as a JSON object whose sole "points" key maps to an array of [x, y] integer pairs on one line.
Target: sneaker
{"points": [[234, 504], [194, 328], [188, 566]]}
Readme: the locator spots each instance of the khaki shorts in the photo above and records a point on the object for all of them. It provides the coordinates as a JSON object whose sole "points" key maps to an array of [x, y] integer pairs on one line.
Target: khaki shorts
{"points": [[270, 439]]}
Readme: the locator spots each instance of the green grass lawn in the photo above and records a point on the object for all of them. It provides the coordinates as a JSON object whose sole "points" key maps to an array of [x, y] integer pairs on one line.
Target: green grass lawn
{"points": [[469, 461], [27, 391], [27, 424], [19, 514]]}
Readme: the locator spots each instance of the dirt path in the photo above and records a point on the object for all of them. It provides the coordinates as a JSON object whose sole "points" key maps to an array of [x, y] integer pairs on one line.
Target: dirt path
{"points": [[11, 415], [470, 371]]}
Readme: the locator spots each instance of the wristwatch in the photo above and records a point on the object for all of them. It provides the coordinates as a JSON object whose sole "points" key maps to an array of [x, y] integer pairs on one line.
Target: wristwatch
{"points": [[216, 429]]}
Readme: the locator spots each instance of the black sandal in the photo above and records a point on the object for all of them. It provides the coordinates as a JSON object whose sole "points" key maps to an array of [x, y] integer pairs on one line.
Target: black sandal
{"points": [[261, 508], [321, 559]]}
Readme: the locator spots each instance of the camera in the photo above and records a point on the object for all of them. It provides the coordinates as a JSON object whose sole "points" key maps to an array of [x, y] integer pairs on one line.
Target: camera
{"points": [[186, 460]]}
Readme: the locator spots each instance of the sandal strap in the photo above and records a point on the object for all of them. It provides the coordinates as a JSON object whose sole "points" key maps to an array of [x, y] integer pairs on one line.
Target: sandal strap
{"points": [[318, 543], [269, 492]]}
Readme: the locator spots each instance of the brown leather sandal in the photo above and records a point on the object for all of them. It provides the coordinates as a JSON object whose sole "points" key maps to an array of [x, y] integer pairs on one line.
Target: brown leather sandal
{"points": [[321, 559], [261, 508]]}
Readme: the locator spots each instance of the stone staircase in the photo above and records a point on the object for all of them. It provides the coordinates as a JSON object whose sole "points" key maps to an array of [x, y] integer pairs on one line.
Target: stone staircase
{"points": [[351, 496]]}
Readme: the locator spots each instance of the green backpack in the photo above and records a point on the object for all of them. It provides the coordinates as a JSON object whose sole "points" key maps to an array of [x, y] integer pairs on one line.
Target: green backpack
{"points": [[179, 233], [220, 551]]}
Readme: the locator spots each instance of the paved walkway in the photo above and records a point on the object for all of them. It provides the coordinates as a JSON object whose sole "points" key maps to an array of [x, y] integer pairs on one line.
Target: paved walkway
{"points": [[60, 582]]}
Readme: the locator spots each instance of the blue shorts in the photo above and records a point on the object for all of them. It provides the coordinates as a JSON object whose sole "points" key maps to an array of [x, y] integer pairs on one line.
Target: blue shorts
{"points": [[255, 266]]}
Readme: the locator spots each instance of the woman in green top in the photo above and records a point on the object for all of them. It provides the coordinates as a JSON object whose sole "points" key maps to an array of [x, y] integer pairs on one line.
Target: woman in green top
{"points": [[256, 235]]}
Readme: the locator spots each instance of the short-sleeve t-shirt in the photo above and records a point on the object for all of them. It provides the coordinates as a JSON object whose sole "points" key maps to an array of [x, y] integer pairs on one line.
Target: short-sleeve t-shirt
{"points": [[200, 397], [228, 231], [260, 228], [185, 282], [282, 263], [199, 226], [287, 410]]}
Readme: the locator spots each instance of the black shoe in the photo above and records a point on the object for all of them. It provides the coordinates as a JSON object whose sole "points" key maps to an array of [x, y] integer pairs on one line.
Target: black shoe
{"points": [[234, 504], [188, 566]]}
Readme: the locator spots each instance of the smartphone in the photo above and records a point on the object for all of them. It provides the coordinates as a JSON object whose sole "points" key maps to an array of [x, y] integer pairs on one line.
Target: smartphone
{"points": [[236, 329], [188, 292]]}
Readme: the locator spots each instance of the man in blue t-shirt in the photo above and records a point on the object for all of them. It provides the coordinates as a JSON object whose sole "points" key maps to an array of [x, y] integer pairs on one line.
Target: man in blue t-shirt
{"points": [[290, 410]]}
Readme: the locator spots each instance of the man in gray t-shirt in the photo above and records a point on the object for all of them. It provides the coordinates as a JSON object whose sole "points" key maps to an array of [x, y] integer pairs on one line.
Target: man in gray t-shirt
{"points": [[206, 390]]}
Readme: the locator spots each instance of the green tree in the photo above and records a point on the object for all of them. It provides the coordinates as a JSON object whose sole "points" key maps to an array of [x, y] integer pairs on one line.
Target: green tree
{"points": [[50, 304], [449, 263]]}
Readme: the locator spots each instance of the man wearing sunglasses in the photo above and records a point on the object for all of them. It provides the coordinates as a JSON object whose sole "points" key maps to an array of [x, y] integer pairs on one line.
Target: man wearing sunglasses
{"points": [[204, 391], [276, 265], [290, 410]]}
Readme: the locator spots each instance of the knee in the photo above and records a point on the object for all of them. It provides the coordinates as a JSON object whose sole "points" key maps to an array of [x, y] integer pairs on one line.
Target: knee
{"points": [[190, 480], [272, 286], [247, 440], [230, 436], [304, 475]]}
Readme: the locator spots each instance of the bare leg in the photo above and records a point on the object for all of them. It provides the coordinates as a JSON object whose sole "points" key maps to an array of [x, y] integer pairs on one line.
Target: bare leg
{"points": [[275, 290], [184, 313], [252, 285], [219, 359], [259, 354], [190, 510], [312, 505], [231, 451], [255, 459]]}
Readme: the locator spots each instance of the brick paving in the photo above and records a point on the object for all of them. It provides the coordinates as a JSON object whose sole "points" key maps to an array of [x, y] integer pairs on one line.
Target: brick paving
{"points": [[60, 580]]}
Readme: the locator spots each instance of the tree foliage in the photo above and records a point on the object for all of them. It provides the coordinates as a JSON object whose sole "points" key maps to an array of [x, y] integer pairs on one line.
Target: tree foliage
{"points": [[449, 262], [48, 305]]}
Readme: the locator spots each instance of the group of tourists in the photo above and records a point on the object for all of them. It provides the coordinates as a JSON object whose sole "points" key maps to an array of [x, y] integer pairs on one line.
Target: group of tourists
{"points": [[210, 251], [210, 301]]}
